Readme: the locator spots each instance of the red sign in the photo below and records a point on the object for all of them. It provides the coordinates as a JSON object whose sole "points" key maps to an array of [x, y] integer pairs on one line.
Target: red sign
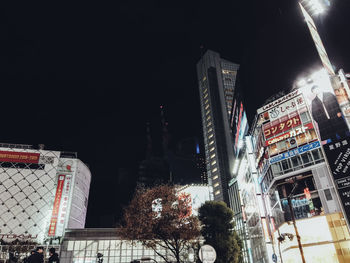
{"points": [[289, 134], [282, 125], [19, 157], [56, 205]]}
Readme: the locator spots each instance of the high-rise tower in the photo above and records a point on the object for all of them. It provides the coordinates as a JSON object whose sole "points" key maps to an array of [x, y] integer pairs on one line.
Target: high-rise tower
{"points": [[217, 79]]}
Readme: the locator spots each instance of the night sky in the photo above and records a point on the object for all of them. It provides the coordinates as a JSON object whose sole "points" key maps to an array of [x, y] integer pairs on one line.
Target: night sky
{"points": [[87, 77]]}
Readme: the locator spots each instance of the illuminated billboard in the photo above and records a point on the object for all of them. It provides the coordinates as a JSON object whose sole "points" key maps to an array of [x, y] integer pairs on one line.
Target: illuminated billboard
{"points": [[239, 125]]}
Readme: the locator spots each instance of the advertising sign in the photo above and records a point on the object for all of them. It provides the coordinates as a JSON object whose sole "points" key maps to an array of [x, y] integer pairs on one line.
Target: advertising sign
{"points": [[338, 155], [274, 128], [19, 157], [56, 205], [289, 134], [239, 126], [286, 107], [278, 101], [294, 152], [63, 208]]}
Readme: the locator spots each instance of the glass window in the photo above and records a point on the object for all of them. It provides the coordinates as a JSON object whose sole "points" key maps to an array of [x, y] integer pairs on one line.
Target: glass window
{"points": [[307, 158], [211, 142], [305, 117], [212, 149], [217, 192], [70, 246], [276, 168], [210, 136], [206, 107], [212, 156], [316, 154], [213, 162], [301, 139], [282, 146], [208, 118], [286, 165], [273, 150], [215, 177], [328, 194], [296, 161], [216, 185], [214, 170]]}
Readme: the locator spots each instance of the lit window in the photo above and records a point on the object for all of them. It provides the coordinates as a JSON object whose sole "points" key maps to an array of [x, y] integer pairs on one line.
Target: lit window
{"points": [[212, 156], [215, 177], [209, 123], [211, 142], [206, 90], [210, 136], [204, 78], [214, 170], [206, 101], [212, 149], [216, 185], [208, 118], [207, 112], [213, 162], [217, 192], [210, 129]]}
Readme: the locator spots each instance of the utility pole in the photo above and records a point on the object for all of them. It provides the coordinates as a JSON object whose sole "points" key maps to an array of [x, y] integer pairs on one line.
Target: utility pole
{"points": [[294, 224]]}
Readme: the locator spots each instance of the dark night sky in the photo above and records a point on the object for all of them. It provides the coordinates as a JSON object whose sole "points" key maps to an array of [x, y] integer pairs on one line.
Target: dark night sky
{"points": [[86, 77]]}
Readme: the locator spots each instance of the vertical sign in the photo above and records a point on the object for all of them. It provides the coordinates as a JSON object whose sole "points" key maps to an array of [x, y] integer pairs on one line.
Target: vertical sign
{"points": [[62, 212], [56, 205], [338, 155]]}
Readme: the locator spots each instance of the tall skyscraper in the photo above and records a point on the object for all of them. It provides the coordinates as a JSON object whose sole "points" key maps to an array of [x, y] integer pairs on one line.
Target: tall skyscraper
{"points": [[217, 80]]}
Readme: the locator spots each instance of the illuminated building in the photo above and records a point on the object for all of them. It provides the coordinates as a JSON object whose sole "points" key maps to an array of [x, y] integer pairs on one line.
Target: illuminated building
{"points": [[42, 193], [289, 147], [249, 222], [217, 80], [199, 193]]}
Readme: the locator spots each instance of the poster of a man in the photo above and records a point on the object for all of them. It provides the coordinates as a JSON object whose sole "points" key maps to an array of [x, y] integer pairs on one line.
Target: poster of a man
{"points": [[327, 113]]}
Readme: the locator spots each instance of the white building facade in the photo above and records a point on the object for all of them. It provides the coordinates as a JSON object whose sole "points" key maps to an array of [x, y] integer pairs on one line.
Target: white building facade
{"points": [[42, 193]]}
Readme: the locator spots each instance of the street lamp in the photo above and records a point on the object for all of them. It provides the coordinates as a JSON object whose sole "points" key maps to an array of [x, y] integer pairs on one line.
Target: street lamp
{"points": [[315, 7]]}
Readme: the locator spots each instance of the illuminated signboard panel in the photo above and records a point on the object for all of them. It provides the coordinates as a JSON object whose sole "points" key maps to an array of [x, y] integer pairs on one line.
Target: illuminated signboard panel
{"points": [[295, 152], [56, 205], [282, 125], [19, 157], [289, 134], [286, 108]]}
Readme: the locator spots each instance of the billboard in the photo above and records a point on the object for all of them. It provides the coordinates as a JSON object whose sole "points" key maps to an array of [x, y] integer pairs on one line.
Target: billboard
{"points": [[19, 157], [324, 108], [333, 130], [239, 125], [282, 125], [338, 155]]}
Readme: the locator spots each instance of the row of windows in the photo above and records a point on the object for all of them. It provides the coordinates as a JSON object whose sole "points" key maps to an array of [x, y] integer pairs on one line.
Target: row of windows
{"points": [[282, 146], [292, 164]]}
